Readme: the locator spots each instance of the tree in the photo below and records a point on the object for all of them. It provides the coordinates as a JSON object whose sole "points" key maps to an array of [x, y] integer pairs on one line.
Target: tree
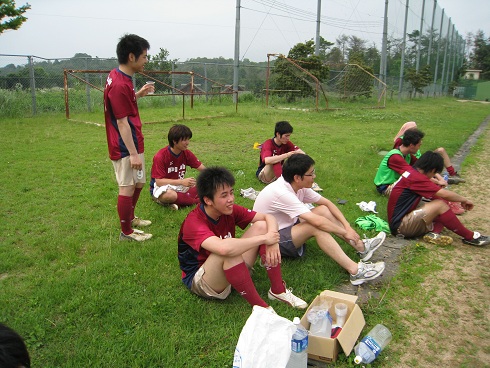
{"points": [[14, 16], [419, 79], [290, 78], [161, 62], [480, 56]]}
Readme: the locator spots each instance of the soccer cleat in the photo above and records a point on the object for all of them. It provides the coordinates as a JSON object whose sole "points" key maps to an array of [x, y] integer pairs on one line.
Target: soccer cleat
{"points": [[316, 187], [478, 240], [455, 179], [135, 236], [137, 222], [367, 271], [289, 298], [173, 206], [370, 245], [437, 239]]}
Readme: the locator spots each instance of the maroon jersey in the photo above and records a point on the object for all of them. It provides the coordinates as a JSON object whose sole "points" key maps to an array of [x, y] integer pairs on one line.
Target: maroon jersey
{"points": [[168, 165], [406, 196], [197, 227], [119, 102], [270, 148]]}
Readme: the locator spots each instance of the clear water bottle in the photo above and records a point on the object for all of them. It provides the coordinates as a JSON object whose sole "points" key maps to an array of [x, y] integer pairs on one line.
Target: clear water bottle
{"points": [[370, 346], [299, 347]]}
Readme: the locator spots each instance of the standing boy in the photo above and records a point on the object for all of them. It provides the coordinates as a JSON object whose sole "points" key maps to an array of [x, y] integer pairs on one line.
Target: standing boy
{"points": [[212, 260], [123, 128], [168, 185]]}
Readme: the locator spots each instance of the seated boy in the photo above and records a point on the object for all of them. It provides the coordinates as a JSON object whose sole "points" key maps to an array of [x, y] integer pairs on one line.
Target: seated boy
{"points": [[212, 260], [168, 185], [411, 217]]}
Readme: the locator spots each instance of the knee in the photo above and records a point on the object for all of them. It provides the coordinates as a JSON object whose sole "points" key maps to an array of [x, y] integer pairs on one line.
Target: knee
{"points": [[440, 150], [259, 227]]}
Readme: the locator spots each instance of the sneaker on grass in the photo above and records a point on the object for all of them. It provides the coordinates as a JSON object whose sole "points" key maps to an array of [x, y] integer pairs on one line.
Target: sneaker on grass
{"points": [[136, 235], [316, 187], [478, 240], [289, 298], [437, 239], [137, 222], [370, 245], [455, 179], [367, 271]]}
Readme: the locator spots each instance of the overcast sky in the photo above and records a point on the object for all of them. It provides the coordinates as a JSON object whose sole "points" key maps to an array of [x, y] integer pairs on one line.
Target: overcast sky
{"points": [[206, 28]]}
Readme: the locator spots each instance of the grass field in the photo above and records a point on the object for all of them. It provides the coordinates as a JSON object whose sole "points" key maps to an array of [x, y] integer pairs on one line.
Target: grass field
{"points": [[83, 299]]}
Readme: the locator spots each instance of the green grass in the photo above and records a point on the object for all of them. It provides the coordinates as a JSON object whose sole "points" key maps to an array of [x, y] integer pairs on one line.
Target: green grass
{"points": [[81, 298]]}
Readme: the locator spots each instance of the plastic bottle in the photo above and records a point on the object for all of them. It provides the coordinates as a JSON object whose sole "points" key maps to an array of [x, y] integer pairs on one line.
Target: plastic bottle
{"points": [[299, 347], [371, 345]]}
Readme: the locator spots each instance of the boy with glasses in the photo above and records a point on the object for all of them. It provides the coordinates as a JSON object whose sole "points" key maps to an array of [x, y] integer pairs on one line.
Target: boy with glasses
{"points": [[287, 198]]}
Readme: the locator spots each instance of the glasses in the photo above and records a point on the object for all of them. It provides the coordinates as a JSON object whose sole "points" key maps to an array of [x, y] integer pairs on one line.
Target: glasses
{"points": [[311, 174]]}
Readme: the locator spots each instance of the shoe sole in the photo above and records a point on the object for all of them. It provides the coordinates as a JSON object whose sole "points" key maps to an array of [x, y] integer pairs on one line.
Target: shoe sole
{"points": [[362, 281], [368, 256], [442, 240], [128, 238], [273, 297], [481, 244]]}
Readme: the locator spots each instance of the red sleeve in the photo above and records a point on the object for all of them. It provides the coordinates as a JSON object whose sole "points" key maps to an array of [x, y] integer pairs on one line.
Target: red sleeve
{"points": [[398, 142], [121, 98], [195, 231], [159, 168], [398, 164], [243, 216], [266, 150], [192, 160], [423, 186]]}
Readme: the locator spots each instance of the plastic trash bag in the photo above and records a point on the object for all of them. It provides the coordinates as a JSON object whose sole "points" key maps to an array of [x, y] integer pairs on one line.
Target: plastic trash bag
{"points": [[265, 341]]}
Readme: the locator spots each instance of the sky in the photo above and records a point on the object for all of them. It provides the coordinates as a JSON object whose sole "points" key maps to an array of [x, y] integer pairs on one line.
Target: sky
{"points": [[206, 28]]}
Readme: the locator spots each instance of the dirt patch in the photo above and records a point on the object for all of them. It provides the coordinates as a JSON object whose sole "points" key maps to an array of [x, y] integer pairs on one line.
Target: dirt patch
{"points": [[448, 323]]}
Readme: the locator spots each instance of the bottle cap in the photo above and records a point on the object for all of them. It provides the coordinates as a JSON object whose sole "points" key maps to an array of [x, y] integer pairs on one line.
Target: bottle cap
{"points": [[296, 320], [358, 359]]}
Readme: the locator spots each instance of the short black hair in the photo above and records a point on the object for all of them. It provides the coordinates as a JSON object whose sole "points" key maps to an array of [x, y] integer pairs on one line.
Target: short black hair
{"points": [[13, 350], [429, 161], [297, 164], [283, 127], [178, 132], [211, 179], [412, 136], [130, 44]]}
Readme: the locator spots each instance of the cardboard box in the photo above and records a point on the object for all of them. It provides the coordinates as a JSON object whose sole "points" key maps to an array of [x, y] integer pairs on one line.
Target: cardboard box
{"points": [[327, 349]]}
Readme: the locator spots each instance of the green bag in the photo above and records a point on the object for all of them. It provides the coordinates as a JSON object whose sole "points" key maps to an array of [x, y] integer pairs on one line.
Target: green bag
{"points": [[372, 222]]}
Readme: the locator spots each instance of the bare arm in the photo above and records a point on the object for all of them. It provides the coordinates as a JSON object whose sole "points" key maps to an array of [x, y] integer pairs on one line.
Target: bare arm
{"points": [[454, 197], [271, 160], [186, 182]]}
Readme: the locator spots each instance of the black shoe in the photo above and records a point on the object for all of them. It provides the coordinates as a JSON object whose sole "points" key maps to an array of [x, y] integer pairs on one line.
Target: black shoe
{"points": [[455, 179], [480, 240]]}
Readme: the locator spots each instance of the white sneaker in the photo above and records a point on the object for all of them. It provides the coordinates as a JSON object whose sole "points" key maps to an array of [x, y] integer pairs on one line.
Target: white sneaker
{"points": [[370, 245], [135, 236], [289, 298], [137, 222], [366, 272]]}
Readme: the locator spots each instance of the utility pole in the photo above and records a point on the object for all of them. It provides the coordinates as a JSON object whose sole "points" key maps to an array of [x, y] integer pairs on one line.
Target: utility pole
{"points": [[236, 62], [317, 39], [384, 44]]}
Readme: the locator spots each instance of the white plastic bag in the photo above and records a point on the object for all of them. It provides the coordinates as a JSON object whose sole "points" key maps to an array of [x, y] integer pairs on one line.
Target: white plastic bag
{"points": [[265, 341]]}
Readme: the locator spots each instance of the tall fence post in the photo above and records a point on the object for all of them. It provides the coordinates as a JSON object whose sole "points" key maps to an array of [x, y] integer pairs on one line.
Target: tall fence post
{"points": [[87, 87], [33, 84], [404, 45]]}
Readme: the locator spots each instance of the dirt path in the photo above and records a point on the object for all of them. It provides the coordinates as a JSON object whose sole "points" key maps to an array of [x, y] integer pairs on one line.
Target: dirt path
{"points": [[449, 321]]}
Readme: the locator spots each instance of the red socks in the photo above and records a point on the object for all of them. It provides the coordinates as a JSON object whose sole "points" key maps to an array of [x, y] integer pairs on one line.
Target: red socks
{"points": [[449, 220], [451, 171], [187, 199], [136, 196], [274, 274], [239, 278], [125, 211]]}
